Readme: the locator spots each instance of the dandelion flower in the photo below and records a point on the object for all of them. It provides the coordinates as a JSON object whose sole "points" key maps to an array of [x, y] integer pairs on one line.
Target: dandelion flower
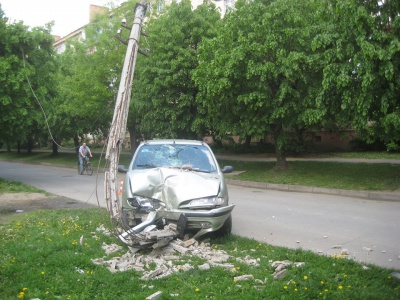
{"points": [[305, 277], [340, 287], [197, 290]]}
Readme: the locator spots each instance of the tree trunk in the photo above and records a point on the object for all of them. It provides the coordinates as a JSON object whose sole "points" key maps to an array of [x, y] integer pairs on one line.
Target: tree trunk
{"points": [[132, 138], [76, 143], [281, 163], [30, 145], [247, 141], [19, 147], [55, 148]]}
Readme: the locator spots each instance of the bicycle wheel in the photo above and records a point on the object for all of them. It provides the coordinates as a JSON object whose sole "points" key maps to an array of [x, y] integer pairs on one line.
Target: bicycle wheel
{"points": [[89, 169]]}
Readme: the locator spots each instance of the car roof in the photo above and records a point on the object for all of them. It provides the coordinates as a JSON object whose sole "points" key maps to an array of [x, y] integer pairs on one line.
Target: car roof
{"points": [[172, 141]]}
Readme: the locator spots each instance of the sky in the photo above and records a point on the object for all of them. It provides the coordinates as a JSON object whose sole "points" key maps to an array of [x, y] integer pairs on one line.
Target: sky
{"points": [[68, 15]]}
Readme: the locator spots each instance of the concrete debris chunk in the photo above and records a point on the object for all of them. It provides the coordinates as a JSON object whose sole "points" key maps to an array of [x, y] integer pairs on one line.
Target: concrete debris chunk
{"points": [[243, 277], [280, 265], [279, 274], [162, 242], [248, 260], [224, 266], [205, 266], [189, 243], [299, 264], [103, 230], [154, 296], [259, 281], [179, 248], [111, 248], [344, 252], [281, 268]]}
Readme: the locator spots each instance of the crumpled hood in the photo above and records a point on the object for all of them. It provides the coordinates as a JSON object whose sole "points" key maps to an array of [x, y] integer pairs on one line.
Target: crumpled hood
{"points": [[173, 185]]}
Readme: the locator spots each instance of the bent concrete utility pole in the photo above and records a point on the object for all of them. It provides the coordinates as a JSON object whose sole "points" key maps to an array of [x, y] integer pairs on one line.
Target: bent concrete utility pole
{"points": [[118, 125]]}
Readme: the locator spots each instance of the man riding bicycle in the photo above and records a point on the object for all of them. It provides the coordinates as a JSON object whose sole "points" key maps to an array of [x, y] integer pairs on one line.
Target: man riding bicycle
{"points": [[82, 155]]}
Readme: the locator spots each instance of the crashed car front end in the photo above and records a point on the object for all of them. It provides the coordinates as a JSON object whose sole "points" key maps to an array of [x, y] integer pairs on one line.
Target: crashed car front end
{"points": [[183, 189]]}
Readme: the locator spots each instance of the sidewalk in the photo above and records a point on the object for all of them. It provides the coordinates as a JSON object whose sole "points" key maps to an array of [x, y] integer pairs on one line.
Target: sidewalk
{"points": [[371, 195]]}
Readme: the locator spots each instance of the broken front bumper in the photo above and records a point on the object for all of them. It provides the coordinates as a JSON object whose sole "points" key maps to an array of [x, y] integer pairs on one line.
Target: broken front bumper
{"points": [[202, 221]]}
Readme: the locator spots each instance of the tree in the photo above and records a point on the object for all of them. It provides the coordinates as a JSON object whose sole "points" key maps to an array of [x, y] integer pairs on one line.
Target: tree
{"points": [[361, 84], [260, 75], [26, 80], [164, 93], [89, 72]]}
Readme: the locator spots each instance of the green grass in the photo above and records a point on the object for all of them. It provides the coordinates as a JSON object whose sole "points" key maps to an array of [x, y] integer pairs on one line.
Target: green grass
{"points": [[366, 155], [41, 257], [348, 176], [7, 186]]}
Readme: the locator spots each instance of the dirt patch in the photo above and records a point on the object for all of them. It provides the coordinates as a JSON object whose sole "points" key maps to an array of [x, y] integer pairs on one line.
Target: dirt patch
{"points": [[12, 203]]}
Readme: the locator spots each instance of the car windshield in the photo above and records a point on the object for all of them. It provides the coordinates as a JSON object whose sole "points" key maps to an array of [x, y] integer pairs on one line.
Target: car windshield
{"points": [[191, 157]]}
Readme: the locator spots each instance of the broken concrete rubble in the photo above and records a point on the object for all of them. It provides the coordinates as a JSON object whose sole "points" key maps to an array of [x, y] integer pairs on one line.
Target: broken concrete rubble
{"points": [[281, 268], [173, 257], [164, 256]]}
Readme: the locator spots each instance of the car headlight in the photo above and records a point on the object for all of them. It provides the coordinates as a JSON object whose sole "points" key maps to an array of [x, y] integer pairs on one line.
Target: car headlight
{"points": [[205, 202], [143, 203]]}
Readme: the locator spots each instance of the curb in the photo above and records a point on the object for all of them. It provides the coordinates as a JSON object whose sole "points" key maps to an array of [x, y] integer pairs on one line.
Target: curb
{"points": [[368, 195]]}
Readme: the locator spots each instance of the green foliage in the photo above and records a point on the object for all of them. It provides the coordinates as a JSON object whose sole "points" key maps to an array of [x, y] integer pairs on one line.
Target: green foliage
{"points": [[361, 49], [260, 74], [27, 83], [89, 72], [164, 93]]}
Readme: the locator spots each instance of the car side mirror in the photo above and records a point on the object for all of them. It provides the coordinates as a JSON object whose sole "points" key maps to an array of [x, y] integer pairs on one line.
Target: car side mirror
{"points": [[122, 169], [227, 169]]}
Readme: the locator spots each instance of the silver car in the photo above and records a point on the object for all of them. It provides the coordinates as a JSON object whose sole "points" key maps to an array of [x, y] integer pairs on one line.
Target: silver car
{"points": [[176, 182]]}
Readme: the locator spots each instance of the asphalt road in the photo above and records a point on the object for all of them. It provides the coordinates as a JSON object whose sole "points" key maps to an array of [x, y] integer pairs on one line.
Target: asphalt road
{"points": [[368, 230]]}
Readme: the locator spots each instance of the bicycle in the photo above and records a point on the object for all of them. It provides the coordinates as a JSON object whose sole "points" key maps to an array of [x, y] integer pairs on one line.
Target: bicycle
{"points": [[87, 166]]}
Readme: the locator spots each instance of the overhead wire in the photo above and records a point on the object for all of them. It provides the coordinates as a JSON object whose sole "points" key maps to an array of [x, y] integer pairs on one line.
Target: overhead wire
{"points": [[54, 141]]}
